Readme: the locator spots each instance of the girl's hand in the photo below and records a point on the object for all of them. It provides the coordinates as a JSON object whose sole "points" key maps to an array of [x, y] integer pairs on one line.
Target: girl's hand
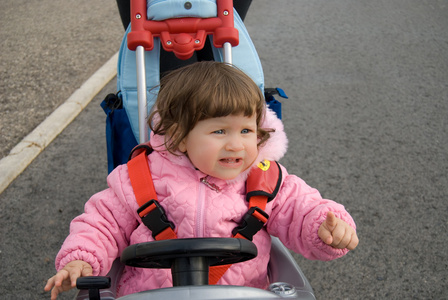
{"points": [[337, 233], [65, 279]]}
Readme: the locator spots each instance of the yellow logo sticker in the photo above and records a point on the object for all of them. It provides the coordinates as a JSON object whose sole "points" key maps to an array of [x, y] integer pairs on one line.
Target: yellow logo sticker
{"points": [[264, 165]]}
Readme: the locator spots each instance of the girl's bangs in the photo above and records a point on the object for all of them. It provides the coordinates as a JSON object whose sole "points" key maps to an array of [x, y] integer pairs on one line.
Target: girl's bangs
{"points": [[238, 101]]}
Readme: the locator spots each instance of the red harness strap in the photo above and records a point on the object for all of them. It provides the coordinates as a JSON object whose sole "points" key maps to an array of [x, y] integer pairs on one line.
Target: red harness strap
{"points": [[152, 214], [260, 186]]}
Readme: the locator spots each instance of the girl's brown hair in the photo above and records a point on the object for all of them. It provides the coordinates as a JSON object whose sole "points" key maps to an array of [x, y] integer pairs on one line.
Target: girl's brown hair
{"points": [[201, 91]]}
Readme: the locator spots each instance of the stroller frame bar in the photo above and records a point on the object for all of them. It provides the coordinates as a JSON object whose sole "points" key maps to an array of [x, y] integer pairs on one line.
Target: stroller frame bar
{"points": [[141, 94]]}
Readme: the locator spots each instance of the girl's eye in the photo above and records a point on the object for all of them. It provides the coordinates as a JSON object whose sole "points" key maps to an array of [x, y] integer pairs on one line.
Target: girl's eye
{"points": [[220, 131], [244, 131]]}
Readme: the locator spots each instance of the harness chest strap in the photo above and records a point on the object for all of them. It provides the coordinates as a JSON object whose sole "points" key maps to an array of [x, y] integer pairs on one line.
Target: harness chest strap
{"points": [[262, 185]]}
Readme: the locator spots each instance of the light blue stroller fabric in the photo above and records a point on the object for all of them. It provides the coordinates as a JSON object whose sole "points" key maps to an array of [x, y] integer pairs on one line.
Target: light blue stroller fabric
{"points": [[244, 56], [158, 10]]}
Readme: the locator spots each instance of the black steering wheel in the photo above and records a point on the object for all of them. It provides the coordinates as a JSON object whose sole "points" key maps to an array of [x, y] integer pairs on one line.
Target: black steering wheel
{"points": [[189, 259]]}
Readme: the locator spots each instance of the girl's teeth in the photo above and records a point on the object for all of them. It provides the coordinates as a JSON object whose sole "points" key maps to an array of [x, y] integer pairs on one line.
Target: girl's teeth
{"points": [[231, 161]]}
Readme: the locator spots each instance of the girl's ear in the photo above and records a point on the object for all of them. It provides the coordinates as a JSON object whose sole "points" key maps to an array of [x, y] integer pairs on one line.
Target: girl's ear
{"points": [[183, 145]]}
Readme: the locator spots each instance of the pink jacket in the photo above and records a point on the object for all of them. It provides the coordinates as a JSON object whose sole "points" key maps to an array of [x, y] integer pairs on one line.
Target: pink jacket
{"points": [[110, 222]]}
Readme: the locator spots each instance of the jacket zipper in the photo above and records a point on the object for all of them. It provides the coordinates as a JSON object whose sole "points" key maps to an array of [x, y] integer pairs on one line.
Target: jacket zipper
{"points": [[211, 185], [200, 217]]}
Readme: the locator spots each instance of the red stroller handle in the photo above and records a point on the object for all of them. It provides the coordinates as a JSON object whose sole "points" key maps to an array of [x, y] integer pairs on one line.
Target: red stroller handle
{"points": [[182, 36]]}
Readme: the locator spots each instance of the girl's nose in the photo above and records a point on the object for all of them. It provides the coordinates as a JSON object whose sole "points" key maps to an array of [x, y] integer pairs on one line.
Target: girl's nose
{"points": [[234, 144]]}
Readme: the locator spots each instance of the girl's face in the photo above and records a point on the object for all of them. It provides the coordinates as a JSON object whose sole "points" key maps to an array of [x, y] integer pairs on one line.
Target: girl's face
{"points": [[222, 147]]}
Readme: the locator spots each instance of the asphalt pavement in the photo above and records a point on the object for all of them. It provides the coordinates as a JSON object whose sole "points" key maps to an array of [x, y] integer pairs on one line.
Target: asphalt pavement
{"points": [[366, 118]]}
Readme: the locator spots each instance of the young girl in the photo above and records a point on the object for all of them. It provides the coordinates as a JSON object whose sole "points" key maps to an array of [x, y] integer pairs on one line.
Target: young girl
{"points": [[210, 127]]}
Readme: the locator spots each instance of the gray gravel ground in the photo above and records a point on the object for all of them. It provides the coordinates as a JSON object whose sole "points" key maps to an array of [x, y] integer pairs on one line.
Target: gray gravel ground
{"points": [[367, 122]]}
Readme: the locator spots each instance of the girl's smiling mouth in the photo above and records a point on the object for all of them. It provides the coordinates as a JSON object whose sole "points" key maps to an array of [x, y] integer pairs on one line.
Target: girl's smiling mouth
{"points": [[231, 161]]}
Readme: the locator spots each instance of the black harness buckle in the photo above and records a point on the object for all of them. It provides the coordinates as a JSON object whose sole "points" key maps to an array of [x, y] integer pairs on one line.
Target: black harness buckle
{"points": [[155, 219], [251, 223]]}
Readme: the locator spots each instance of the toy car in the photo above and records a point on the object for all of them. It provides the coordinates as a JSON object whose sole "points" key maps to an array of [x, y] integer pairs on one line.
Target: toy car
{"points": [[189, 260]]}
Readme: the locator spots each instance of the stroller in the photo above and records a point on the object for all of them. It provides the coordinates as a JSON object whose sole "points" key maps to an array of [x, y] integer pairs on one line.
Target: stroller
{"points": [[155, 23]]}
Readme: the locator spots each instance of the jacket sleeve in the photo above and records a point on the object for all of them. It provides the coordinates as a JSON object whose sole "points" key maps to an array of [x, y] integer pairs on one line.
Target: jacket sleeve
{"points": [[297, 213], [102, 232]]}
